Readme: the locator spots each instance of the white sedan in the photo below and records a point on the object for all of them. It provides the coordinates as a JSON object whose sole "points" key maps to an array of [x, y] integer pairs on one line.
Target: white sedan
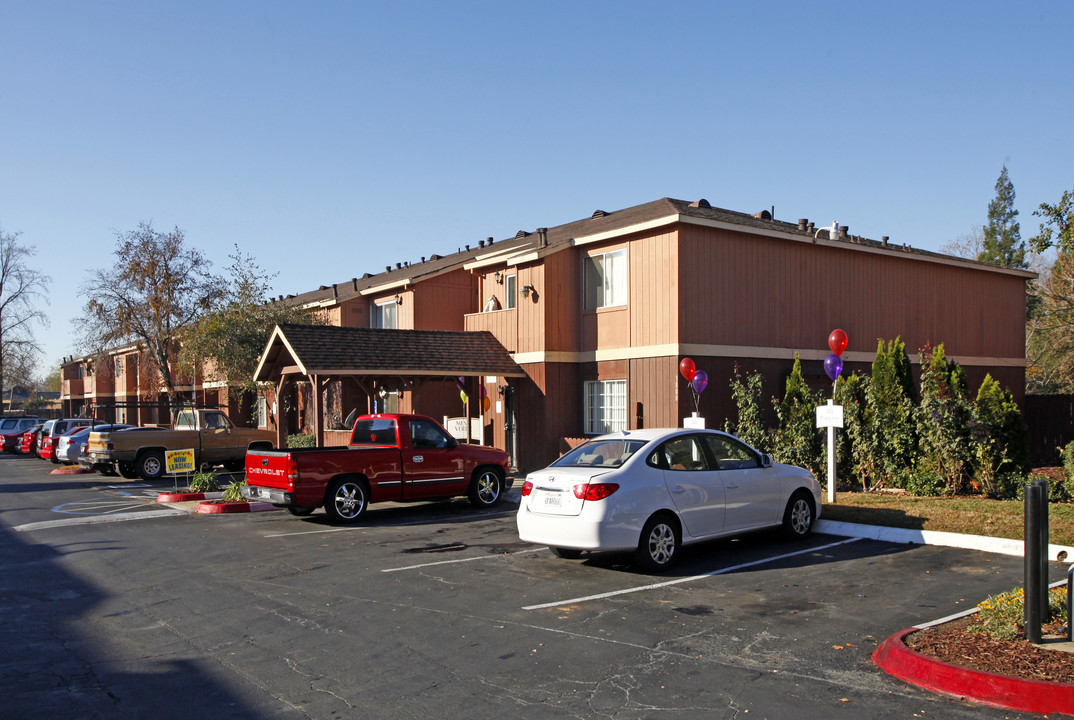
{"points": [[652, 491]]}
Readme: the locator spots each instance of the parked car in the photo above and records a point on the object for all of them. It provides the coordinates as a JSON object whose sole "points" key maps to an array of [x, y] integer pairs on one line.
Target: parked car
{"points": [[14, 426], [390, 457], [652, 491], [30, 439], [70, 444], [51, 432]]}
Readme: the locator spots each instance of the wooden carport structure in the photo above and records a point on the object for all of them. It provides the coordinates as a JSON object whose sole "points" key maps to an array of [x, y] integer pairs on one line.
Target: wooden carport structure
{"points": [[365, 356]]}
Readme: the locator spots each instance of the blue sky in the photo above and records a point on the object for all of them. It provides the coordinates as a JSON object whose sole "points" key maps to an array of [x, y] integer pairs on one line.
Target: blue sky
{"points": [[328, 139]]}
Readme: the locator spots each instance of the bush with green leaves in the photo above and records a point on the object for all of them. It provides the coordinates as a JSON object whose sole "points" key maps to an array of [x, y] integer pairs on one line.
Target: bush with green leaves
{"points": [[233, 493], [204, 480], [943, 421], [797, 440], [1002, 615], [852, 443], [1000, 439], [750, 426], [301, 440]]}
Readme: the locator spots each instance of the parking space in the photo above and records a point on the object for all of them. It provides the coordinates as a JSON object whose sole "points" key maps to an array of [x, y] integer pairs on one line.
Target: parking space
{"points": [[427, 606]]}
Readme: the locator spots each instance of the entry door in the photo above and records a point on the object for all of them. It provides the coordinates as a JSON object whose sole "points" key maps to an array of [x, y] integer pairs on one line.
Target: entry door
{"points": [[433, 465]]}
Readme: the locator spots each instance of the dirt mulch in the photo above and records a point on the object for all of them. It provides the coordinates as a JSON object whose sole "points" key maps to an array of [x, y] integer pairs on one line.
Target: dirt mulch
{"points": [[953, 643]]}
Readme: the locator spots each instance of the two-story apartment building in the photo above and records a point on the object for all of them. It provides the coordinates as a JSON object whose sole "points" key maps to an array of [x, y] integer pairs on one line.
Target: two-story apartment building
{"points": [[599, 312]]}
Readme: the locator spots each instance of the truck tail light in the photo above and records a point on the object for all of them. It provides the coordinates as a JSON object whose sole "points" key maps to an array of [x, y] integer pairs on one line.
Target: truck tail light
{"points": [[594, 491], [291, 469], [527, 488]]}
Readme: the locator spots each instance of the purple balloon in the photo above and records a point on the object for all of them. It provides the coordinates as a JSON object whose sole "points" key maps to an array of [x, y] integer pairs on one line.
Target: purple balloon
{"points": [[833, 365], [701, 379]]}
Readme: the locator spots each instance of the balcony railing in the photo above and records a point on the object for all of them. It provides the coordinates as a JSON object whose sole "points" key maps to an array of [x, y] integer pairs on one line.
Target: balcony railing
{"points": [[503, 324]]}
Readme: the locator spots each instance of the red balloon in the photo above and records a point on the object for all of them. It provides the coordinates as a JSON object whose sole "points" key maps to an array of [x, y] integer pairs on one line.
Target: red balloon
{"points": [[837, 341], [687, 368]]}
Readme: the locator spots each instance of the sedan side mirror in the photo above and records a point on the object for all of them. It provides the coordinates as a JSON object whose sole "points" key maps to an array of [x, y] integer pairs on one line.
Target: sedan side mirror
{"points": [[766, 460]]}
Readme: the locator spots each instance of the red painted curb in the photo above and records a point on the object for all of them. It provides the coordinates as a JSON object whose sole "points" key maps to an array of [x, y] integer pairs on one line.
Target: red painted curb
{"points": [[232, 507], [180, 497], [896, 658]]}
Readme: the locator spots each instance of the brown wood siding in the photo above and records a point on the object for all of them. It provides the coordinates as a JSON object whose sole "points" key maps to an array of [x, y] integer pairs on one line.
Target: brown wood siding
{"points": [[503, 324], [653, 278], [652, 386], [562, 298], [441, 303], [756, 291]]}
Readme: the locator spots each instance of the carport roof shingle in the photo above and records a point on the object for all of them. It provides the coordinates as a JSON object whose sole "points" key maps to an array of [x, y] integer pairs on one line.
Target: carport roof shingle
{"points": [[333, 350]]}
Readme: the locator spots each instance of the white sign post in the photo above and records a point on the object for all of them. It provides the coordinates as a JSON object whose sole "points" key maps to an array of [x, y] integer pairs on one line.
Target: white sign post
{"points": [[831, 417]]}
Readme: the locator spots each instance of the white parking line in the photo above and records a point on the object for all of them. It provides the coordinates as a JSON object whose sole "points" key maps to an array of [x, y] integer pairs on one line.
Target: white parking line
{"points": [[95, 519], [679, 581], [463, 560]]}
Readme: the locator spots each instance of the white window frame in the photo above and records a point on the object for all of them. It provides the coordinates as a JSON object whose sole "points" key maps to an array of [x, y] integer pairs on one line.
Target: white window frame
{"points": [[378, 313], [605, 406], [510, 291], [611, 269]]}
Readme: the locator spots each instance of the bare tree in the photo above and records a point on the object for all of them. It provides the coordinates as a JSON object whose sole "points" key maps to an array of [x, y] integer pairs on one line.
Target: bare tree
{"points": [[23, 293], [154, 292], [966, 246]]}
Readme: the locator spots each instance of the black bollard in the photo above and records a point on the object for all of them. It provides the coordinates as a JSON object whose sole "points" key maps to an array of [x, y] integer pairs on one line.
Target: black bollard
{"points": [[1032, 580], [1045, 606]]}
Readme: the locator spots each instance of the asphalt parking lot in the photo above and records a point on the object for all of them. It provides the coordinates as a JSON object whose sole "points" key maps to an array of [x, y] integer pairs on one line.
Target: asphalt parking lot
{"points": [[117, 607]]}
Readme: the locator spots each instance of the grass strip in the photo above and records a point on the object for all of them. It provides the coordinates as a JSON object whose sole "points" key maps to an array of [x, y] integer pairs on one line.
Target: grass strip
{"points": [[973, 515]]}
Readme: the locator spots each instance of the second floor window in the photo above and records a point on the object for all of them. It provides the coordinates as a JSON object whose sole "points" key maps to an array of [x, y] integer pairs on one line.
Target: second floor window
{"points": [[119, 367], [606, 280], [383, 315], [509, 291]]}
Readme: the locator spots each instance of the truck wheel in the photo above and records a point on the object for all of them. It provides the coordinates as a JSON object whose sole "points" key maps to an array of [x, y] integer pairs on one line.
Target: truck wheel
{"points": [[346, 500], [486, 488], [127, 471], [151, 464]]}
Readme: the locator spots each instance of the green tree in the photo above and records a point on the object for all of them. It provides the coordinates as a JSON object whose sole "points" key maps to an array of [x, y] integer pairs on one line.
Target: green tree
{"points": [[156, 290], [853, 443], [1057, 225], [943, 420], [1002, 243], [889, 412], [231, 335], [797, 440], [1050, 329], [1000, 439], [750, 425], [23, 296]]}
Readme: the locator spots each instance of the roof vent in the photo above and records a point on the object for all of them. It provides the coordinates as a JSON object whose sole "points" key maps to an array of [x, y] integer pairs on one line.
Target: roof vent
{"points": [[489, 241], [521, 234], [884, 239], [481, 243], [542, 237], [366, 275], [599, 214], [803, 223], [843, 231], [763, 215], [388, 268], [398, 265], [702, 203], [434, 256], [323, 287]]}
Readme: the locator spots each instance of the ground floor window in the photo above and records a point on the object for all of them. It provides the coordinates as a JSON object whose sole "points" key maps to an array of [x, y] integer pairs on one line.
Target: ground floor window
{"points": [[262, 411], [605, 406]]}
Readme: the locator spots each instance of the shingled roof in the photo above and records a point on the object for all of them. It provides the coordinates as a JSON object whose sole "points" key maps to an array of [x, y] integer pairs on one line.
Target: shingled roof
{"points": [[332, 350], [598, 223]]}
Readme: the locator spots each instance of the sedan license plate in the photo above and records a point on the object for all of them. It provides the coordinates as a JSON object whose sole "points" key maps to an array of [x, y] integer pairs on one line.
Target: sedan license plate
{"points": [[554, 500]]}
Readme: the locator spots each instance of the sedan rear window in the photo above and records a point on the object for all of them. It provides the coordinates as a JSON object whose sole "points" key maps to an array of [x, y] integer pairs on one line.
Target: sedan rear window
{"points": [[602, 453]]}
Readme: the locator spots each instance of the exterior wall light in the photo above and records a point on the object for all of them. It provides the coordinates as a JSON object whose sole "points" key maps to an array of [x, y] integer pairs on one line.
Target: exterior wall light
{"points": [[526, 290]]}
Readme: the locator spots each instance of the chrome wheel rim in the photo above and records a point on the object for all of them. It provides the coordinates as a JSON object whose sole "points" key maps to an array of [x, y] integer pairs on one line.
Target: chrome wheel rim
{"points": [[151, 466], [349, 500], [801, 517], [488, 488], [661, 544]]}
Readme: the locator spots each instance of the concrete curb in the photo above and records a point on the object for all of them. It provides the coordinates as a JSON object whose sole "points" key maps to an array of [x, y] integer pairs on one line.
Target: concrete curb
{"points": [[1000, 546], [69, 470], [212, 508], [896, 658]]}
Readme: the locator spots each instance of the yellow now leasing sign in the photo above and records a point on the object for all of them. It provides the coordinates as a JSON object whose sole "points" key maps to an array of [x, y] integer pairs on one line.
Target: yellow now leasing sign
{"points": [[179, 461]]}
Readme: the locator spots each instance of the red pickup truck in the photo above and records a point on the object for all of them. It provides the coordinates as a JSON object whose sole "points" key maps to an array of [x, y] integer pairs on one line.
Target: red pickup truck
{"points": [[390, 457]]}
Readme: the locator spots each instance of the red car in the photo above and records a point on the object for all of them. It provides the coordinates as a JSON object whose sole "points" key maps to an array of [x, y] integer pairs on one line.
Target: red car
{"points": [[12, 428], [28, 444]]}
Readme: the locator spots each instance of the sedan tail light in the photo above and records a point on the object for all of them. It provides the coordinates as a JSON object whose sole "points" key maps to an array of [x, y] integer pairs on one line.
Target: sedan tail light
{"points": [[527, 488], [594, 491]]}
